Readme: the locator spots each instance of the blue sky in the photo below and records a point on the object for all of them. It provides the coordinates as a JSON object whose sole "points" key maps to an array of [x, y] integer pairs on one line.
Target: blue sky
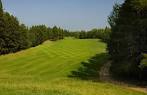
{"points": [[68, 14]]}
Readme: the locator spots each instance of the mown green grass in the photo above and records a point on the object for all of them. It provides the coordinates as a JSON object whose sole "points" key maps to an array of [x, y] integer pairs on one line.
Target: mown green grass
{"points": [[43, 70]]}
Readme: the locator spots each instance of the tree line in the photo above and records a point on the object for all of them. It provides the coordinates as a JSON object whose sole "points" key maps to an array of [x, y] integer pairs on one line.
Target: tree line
{"points": [[15, 36], [128, 39], [103, 34]]}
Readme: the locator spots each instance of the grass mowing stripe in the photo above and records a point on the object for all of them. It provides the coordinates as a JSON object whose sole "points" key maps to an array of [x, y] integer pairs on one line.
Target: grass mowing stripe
{"points": [[43, 70]]}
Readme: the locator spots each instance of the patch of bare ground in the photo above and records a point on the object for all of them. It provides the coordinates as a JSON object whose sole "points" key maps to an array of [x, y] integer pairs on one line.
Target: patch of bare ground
{"points": [[105, 76]]}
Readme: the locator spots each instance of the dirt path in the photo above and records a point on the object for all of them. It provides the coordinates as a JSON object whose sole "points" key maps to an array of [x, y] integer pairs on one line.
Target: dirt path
{"points": [[104, 72], [105, 76]]}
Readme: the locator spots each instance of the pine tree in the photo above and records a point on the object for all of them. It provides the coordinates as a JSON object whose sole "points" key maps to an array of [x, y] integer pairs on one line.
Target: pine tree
{"points": [[1, 6], [2, 29], [125, 45]]}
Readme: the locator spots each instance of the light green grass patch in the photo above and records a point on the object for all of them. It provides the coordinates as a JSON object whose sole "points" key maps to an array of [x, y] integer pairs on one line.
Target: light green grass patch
{"points": [[43, 70]]}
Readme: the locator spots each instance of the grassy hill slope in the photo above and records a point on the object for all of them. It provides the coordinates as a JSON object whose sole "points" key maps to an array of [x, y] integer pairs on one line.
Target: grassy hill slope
{"points": [[43, 70]]}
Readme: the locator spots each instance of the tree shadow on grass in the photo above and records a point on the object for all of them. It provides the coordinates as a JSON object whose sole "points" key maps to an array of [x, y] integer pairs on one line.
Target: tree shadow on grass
{"points": [[90, 70]]}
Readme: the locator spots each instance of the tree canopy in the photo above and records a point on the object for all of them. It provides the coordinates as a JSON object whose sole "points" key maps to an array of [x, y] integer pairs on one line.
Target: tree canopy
{"points": [[128, 40], [15, 36]]}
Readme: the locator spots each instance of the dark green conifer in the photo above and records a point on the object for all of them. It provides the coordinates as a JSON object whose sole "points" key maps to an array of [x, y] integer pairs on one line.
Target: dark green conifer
{"points": [[128, 37]]}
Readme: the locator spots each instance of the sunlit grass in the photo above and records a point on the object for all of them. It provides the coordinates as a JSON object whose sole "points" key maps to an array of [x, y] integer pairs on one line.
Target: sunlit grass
{"points": [[43, 70]]}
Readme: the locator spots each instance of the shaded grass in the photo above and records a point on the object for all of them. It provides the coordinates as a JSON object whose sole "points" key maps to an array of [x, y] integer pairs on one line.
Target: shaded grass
{"points": [[90, 69]]}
